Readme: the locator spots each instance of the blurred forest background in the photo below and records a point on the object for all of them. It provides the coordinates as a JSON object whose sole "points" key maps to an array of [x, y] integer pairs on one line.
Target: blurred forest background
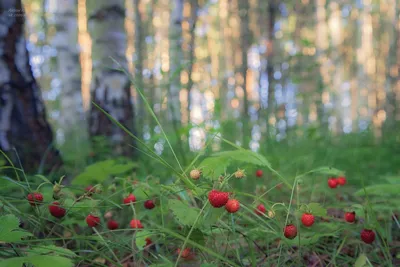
{"points": [[265, 75]]}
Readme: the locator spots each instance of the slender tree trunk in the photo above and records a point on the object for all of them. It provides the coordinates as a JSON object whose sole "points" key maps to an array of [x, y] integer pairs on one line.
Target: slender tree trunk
{"points": [[68, 66], [272, 10], [245, 44], [176, 60], [138, 61], [23, 123], [193, 20], [110, 88]]}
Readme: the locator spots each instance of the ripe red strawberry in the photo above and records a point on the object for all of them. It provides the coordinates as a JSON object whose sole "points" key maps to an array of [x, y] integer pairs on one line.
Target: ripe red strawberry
{"points": [[341, 180], [130, 198], [136, 224], [90, 189], [185, 252], [260, 209], [350, 217], [232, 205], [148, 241], [149, 204], [368, 236], [290, 231], [332, 182], [112, 225], [35, 199], [217, 198], [259, 173], [92, 220], [56, 210], [307, 219]]}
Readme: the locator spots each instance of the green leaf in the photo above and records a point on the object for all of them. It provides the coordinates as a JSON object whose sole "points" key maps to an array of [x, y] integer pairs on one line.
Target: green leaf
{"points": [[327, 171], [140, 239], [317, 209], [361, 260], [380, 190], [214, 166], [12, 262], [100, 171], [9, 229], [51, 249], [38, 261], [245, 156], [183, 213]]}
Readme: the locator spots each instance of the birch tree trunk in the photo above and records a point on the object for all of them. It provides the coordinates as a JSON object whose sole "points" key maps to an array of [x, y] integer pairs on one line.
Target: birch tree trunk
{"points": [[68, 66], [176, 60], [23, 123], [110, 88]]}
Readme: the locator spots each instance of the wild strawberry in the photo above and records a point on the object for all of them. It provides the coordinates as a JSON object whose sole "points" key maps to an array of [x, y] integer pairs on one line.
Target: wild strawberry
{"points": [[271, 214], [130, 198], [332, 182], [259, 173], [108, 215], [350, 217], [290, 231], [57, 188], [136, 224], [148, 241], [341, 180], [195, 174], [185, 252], [90, 190], [368, 236], [260, 209], [56, 210], [92, 220], [149, 204], [239, 174], [217, 198], [232, 206], [112, 225], [35, 199], [307, 219]]}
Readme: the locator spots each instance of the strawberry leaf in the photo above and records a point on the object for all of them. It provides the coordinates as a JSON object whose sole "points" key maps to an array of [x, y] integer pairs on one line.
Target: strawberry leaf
{"points": [[183, 213], [317, 209], [9, 229]]}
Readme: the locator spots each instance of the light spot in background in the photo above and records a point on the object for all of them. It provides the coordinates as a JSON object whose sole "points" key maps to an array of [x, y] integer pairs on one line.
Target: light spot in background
{"points": [[197, 138]]}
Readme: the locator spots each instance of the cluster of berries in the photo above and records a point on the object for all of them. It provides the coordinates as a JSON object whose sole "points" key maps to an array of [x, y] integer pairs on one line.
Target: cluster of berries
{"points": [[334, 182]]}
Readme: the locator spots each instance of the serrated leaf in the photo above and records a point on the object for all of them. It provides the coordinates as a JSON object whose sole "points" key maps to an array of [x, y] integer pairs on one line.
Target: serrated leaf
{"points": [[140, 239], [214, 166], [99, 171], [327, 171], [183, 213], [361, 260], [12, 262], [38, 261], [196, 236], [380, 190], [51, 249], [317, 209], [9, 229], [246, 156]]}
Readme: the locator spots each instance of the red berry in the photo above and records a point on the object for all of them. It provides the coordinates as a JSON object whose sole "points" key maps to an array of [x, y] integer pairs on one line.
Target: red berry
{"points": [[149, 204], [260, 209], [341, 180], [56, 210], [307, 219], [148, 241], [332, 182], [217, 198], [92, 220], [35, 199], [290, 231], [136, 224], [90, 189], [368, 236], [232, 205], [112, 225], [350, 217], [185, 252], [259, 173], [129, 199]]}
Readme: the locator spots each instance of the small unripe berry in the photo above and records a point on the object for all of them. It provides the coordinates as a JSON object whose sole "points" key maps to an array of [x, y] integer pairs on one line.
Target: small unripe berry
{"points": [[239, 174], [195, 174]]}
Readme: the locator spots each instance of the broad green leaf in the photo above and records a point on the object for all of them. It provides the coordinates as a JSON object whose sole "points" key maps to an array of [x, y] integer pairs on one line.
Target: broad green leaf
{"points": [[9, 229], [361, 260], [246, 156], [99, 171], [140, 239], [49, 261], [214, 166], [183, 213], [12, 262], [51, 249], [327, 171], [380, 190], [317, 209]]}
